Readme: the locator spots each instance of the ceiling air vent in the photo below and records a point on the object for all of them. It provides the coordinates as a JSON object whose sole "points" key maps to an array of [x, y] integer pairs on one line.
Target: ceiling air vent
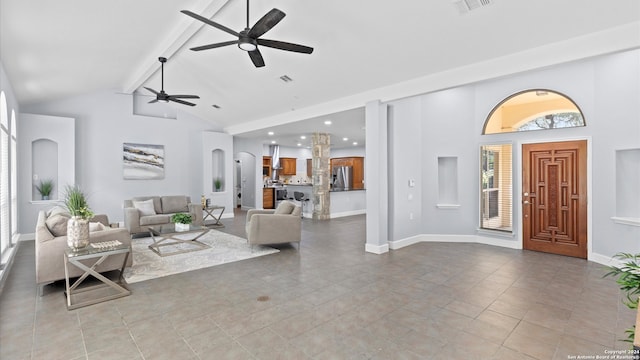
{"points": [[464, 6]]}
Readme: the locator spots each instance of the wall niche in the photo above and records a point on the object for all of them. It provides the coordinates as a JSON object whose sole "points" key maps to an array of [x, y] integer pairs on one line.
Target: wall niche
{"points": [[627, 189], [44, 167], [217, 170], [447, 182]]}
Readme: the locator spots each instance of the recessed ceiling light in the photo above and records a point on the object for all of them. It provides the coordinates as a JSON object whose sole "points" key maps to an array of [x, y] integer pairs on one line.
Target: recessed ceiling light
{"points": [[273, 141], [345, 139], [299, 144], [355, 143], [327, 122], [302, 137], [270, 133]]}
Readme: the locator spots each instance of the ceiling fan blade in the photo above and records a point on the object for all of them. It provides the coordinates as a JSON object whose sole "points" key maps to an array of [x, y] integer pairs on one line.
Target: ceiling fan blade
{"points": [[256, 58], [184, 96], [153, 101], [285, 46], [265, 23], [213, 46], [209, 22], [150, 89], [181, 102]]}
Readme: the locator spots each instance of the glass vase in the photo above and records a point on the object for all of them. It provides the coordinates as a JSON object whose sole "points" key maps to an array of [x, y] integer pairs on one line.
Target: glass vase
{"points": [[77, 233]]}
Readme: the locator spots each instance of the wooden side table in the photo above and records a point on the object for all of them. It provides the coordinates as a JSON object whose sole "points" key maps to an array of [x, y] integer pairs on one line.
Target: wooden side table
{"points": [[101, 254], [210, 213]]}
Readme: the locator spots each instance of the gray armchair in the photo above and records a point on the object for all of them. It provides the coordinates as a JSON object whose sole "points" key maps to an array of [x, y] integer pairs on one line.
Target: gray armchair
{"points": [[282, 225]]}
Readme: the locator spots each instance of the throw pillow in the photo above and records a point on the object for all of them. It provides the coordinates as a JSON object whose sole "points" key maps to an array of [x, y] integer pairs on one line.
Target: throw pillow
{"points": [[174, 204], [285, 208], [96, 226], [145, 207], [57, 224]]}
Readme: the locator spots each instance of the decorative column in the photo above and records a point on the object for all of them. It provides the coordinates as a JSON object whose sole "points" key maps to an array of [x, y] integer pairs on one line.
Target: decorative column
{"points": [[321, 176]]}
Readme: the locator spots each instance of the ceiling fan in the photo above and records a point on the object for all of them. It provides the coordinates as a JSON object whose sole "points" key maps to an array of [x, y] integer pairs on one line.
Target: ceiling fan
{"points": [[163, 96], [249, 38]]}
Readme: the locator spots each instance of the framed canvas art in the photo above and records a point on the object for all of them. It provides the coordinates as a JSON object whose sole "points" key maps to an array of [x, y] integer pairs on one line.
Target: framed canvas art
{"points": [[143, 161]]}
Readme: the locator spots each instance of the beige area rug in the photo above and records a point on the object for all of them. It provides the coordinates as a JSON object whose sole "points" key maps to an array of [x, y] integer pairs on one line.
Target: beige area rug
{"points": [[225, 248]]}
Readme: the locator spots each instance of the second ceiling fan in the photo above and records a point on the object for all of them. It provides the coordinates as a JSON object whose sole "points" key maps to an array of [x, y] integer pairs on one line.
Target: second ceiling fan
{"points": [[249, 38]]}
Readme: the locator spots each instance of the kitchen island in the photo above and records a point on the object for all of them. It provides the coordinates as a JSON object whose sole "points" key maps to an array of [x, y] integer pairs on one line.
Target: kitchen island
{"points": [[343, 202]]}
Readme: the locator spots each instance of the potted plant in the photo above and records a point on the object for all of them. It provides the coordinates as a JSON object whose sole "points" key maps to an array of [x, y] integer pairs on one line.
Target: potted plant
{"points": [[78, 224], [182, 221], [628, 274], [217, 183], [44, 188]]}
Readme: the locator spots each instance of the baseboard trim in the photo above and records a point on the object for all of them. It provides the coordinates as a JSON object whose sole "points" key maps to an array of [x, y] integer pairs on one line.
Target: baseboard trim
{"points": [[604, 260], [453, 238], [347, 213], [376, 249], [27, 237]]}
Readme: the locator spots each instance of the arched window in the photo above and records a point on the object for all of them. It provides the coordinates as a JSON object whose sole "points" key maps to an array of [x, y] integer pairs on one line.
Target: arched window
{"points": [[14, 174], [5, 221], [536, 109]]}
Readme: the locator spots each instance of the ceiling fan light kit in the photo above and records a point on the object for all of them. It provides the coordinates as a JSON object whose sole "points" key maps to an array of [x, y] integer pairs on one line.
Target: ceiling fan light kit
{"points": [[163, 96], [249, 38]]}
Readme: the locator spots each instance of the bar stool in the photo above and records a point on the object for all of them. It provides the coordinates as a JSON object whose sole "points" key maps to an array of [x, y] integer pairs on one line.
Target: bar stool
{"points": [[299, 196]]}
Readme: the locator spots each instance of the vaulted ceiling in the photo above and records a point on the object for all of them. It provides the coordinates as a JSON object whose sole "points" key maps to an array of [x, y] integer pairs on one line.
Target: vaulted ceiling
{"points": [[56, 49]]}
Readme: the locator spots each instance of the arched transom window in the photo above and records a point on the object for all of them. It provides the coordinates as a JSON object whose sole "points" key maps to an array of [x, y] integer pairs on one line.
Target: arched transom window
{"points": [[536, 109]]}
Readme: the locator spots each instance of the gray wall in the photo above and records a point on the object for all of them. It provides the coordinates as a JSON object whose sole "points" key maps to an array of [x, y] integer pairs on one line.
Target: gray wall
{"points": [[104, 121], [607, 90]]}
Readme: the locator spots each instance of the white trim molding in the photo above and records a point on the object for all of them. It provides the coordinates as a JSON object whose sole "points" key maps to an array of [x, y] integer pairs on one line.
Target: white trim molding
{"points": [[626, 220], [454, 238], [376, 249], [347, 213]]}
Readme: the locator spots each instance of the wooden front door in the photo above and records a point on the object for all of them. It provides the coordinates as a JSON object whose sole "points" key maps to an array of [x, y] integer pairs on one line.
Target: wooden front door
{"points": [[554, 197]]}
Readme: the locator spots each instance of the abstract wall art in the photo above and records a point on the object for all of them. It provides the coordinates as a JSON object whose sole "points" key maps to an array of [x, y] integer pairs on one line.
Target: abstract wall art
{"points": [[143, 161]]}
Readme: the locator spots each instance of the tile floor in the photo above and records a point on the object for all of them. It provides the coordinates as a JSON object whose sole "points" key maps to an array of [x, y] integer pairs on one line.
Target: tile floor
{"points": [[331, 300]]}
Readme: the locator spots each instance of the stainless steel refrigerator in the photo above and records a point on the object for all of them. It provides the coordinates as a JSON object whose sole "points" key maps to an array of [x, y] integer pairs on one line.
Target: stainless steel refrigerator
{"points": [[342, 178]]}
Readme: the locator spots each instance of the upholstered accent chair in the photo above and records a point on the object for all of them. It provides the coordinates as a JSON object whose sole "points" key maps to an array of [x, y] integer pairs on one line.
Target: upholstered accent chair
{"points": [[282, 225]]}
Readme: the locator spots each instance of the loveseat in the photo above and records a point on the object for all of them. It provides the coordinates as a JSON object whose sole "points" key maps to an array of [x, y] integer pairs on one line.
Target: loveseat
{"points": [[51, 242], [144, 211], [282, 225]]}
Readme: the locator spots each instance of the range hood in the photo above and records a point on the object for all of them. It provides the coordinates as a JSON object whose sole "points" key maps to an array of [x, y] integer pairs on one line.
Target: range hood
{"points": [[274, 152]]}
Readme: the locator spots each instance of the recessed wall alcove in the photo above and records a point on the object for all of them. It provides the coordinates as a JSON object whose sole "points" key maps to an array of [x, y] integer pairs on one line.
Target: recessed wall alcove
{"points": [[44, 167], [217, 170], [447, 182], [627, 189]]}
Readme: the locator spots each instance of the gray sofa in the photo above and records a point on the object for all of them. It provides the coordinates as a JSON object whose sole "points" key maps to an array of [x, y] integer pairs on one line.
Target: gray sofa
{"points": [[144, 211], [282, 225], [51, 242]]}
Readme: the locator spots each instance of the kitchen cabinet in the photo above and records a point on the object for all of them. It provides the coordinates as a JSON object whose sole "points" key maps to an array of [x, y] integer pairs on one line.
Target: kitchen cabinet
{"points": [[309, 167], [357, 163], [267, 198], [266, 166], [288, 166]]}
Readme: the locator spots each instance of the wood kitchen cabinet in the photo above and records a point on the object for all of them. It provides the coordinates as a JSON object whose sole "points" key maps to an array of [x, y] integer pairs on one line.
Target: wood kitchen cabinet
{"points": [[309, 167], [267, 198], [266, 166], [357, 163], [287, 166]]}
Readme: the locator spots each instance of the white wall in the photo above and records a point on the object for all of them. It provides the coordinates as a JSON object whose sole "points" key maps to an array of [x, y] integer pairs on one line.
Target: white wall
{"points": [[606, 89], [104, 121]]}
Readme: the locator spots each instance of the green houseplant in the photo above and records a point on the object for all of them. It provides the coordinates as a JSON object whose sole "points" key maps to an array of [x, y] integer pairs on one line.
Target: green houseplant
{"points": [[628, 277], [182, 221], [217, 183], [45, 188], [78, 225]]}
